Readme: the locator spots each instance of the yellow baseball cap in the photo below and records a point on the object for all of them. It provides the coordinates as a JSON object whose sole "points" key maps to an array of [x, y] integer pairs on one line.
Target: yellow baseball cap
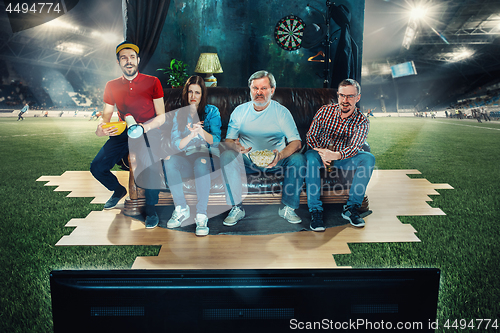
{"points": [[127, 45]]}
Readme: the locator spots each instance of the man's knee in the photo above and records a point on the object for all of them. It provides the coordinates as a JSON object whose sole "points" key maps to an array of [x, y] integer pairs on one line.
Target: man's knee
{"points": [[313, 159], [368, 158], [96, 166], [93, 168]]}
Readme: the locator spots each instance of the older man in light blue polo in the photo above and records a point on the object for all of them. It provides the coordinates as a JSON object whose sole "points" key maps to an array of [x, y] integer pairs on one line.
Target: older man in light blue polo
{"points": [[258, 125]]}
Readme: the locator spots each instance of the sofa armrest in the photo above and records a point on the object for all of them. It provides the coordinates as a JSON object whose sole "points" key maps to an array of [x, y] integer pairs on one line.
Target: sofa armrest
{"points": [[132, 187]]}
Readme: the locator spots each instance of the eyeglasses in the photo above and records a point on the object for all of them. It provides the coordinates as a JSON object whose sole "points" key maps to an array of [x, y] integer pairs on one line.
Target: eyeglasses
{"points": [[346, 96]]}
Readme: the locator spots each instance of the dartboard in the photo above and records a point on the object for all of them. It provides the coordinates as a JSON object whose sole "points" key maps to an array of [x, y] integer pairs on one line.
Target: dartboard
{"points": [[289, 31]]}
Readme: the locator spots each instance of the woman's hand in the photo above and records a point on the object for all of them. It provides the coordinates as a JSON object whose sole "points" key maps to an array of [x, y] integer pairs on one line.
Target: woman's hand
{"points": [[196, 129]]}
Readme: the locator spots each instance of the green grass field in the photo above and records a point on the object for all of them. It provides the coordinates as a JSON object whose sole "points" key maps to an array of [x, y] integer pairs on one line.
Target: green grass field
{"points": [[463, 244]]}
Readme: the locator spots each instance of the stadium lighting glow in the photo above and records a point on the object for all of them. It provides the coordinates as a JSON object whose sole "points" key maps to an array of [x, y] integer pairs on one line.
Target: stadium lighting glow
{"points": [[61, 25], [418, 13], [461, 54], [108, 37], [111, 38], [73, 48]]}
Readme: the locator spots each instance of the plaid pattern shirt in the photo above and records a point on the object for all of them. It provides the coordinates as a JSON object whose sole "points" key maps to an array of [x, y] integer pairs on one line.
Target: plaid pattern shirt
{"points": [[329, 130]]}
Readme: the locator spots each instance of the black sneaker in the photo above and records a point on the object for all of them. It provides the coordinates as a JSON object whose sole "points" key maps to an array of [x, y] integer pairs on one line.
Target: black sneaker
{"points": [[350, 213], [151, 221], [317, 221]]}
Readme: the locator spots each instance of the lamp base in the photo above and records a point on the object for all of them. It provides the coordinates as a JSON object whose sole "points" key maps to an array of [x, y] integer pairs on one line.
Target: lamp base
{"points": [[210, 80]]}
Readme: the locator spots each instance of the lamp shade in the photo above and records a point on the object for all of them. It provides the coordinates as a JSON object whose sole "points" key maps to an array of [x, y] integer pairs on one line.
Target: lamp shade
{"points": [[208, 63]]}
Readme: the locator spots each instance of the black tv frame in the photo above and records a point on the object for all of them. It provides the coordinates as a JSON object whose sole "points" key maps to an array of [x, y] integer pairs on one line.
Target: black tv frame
{"points": [[264, 300]]}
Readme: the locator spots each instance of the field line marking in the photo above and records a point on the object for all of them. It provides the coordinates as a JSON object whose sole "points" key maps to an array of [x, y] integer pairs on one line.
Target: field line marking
{"points": [[443, 122], [37, 134]]}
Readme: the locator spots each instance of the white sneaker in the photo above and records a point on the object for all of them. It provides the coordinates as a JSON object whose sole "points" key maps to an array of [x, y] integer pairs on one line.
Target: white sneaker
{"points": [[178, 216], [288, 214], [234, 216], [201, 225]]}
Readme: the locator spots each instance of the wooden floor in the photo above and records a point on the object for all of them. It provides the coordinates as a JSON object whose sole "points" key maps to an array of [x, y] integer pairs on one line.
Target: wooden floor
{"points": [[391, 193]]}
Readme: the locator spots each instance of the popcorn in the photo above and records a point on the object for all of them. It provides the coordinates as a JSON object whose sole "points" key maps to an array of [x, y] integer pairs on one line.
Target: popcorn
{"points": [[261, 158]]}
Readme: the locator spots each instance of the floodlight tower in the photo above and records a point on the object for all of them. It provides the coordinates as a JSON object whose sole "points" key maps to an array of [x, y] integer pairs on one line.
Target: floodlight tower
{"points": [[416, 14]]}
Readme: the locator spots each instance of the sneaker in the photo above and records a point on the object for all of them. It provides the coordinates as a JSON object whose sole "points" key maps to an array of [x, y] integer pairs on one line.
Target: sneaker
{"points": [[317, 221], [152, 221], [288, 214], [117, 195], [201, 225], [350, 213], [236, 214], [178, 216]]}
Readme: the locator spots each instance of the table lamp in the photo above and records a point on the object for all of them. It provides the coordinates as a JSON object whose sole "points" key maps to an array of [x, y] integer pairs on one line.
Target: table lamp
{"points": [[209, 63]]}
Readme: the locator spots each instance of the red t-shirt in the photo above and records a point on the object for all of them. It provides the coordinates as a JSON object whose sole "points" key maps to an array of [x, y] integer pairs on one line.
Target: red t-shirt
{"points": [[134, 97]]}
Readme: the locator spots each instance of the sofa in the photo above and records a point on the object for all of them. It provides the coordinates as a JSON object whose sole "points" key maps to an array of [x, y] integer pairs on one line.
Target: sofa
{"points": [[302, 103]]}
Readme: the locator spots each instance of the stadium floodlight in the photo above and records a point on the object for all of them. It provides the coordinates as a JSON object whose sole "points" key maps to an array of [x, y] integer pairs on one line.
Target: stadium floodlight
{"points": [[418, 13], [68, 47], [58, 24], [461, 54]]}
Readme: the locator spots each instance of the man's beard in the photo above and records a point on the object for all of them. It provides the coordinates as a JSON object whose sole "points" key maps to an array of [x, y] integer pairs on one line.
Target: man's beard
{"points": [[347, 106], [126, 70], [260, 104]]}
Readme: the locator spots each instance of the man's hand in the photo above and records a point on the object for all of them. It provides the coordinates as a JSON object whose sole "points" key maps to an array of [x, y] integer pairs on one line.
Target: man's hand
{"points": [[109, 131], [236, 146], [327, 155], [277, 158]]}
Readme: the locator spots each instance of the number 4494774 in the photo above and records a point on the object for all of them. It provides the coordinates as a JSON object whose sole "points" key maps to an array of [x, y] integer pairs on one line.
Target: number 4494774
{"points": [[35, 8], [471, 324]]}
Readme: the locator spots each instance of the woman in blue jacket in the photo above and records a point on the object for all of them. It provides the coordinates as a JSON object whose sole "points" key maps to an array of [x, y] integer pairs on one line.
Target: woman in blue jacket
{"points": [[196, 133]]}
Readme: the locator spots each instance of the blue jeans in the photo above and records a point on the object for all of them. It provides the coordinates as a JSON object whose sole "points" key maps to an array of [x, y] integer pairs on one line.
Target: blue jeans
{"points": [[111, 153], [363, 162], [293, 168], [179, 167]]}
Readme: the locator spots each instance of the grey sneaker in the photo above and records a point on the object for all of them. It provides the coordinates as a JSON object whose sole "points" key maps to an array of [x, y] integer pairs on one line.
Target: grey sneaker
{"points": [[288, 214], [115, 198], [350, 213], [234, 216], [178, 216], [201, 225]]}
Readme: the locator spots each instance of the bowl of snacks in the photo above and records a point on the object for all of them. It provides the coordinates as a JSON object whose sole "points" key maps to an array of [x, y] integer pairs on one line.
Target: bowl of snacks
{"points": [[261, 158]]}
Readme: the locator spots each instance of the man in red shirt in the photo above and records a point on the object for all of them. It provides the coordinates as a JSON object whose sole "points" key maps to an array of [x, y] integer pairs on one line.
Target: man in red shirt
{"points": [[337, 133], [140, 95]]}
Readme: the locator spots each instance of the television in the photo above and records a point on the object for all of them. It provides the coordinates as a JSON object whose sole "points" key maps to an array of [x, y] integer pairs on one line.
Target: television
{"points": [[403, 69], [263, 300]]}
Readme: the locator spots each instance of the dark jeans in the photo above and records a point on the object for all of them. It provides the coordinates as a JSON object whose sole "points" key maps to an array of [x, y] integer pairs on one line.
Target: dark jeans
{"points": [[111, 153]]}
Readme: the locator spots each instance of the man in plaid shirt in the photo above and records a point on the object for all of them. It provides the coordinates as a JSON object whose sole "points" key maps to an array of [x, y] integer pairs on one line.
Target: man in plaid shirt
{"points": [[337, 133]]}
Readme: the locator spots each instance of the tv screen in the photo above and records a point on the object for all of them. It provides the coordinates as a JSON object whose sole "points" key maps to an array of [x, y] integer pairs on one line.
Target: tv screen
{"points": [[403, 69], [244, 300]]}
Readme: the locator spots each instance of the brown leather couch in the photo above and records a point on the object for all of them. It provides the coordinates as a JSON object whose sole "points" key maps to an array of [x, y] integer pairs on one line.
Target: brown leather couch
{"points": [[302, 103]]}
